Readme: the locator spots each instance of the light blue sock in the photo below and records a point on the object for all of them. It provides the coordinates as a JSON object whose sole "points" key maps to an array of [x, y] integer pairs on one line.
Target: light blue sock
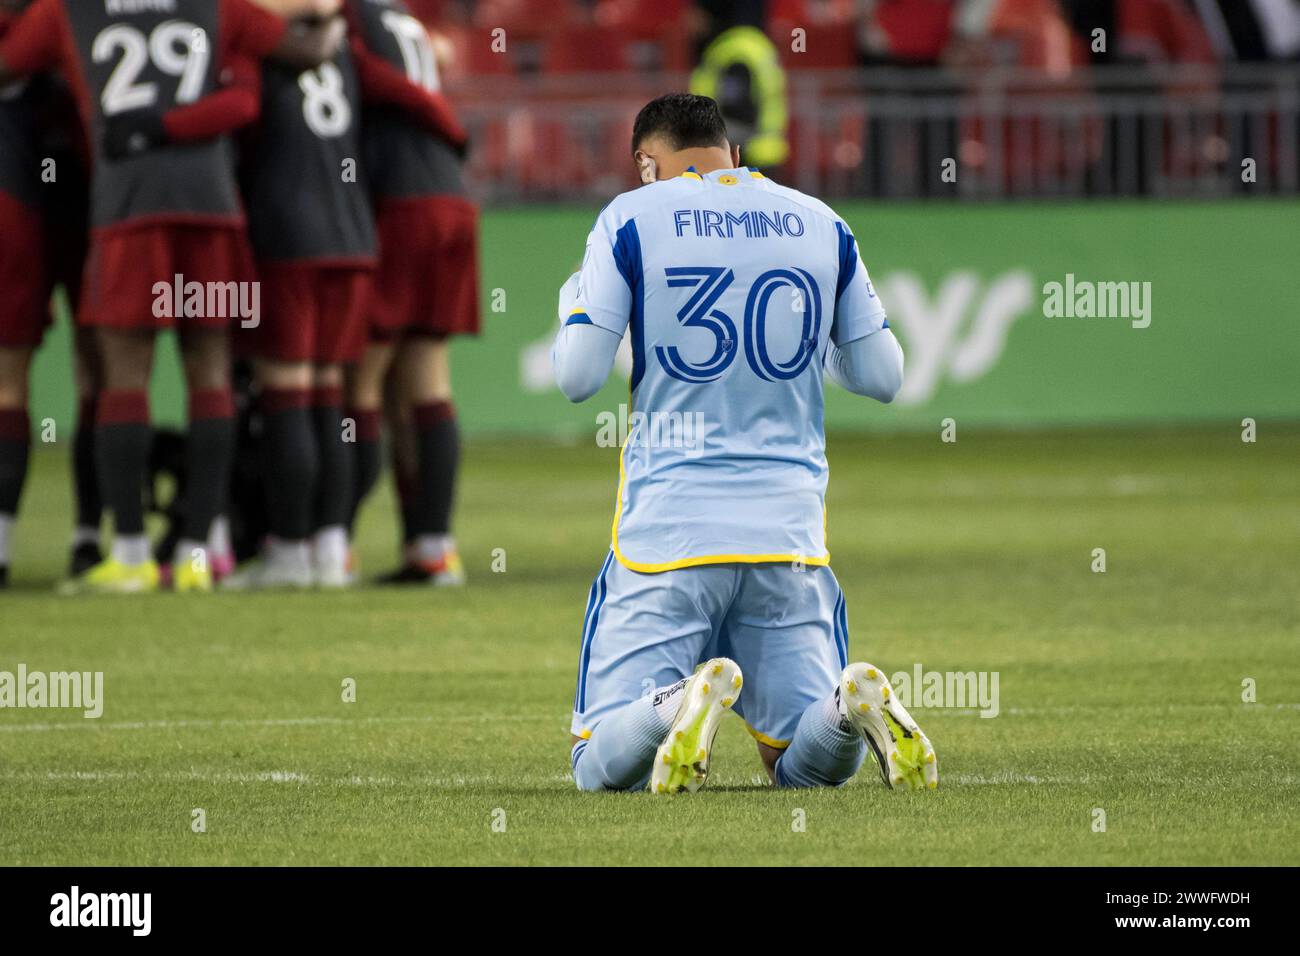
{"points": [[622, 748], [822, 754]]}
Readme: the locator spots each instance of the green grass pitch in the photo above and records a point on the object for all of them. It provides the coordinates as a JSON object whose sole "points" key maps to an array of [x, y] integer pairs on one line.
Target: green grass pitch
{"points": [[1120, 692]]}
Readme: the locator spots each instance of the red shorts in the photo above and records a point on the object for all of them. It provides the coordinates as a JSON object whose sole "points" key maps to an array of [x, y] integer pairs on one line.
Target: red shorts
{"points": [[427, 283], [309, 313], [131, 277], [24, 276]]}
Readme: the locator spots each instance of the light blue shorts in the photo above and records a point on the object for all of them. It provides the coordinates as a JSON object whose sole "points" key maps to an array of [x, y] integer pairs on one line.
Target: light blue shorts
{"points": [[786, 628]]}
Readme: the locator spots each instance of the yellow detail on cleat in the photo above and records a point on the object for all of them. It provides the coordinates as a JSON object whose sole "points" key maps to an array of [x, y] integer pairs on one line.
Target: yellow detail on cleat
{"points": [[668, 758], [737, 681], [884, 692], [929, 758], [717, 669], [853, 688], [113, 577], [188, 578], [864, 707], [728, 701], [933, 784], [871, 673], [704, 689]]}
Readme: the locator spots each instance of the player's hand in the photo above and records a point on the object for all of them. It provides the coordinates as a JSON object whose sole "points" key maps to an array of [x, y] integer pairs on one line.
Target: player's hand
{"points": [[132, 133]]}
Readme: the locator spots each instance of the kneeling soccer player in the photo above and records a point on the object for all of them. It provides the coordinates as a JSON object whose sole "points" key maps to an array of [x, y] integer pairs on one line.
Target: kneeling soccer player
{"points": [[736, 294]]}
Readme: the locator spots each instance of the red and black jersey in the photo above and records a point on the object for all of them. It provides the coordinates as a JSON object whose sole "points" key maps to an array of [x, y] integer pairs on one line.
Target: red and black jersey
{"points": [[302, 202], [20, 122], [20, 154], [159, 55], [410, 154]]}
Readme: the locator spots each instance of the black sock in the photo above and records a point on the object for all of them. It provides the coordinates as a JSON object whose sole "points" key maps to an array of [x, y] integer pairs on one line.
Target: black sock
{"points": [[365, 459], [405, 482], [439, 457], [334, 483], [290, 464], [15, 448], [85, 483], [209, 451], [122, 438]]}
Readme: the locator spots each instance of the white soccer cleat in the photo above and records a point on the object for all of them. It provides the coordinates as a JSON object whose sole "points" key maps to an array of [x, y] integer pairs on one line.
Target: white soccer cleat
{"points": [[904, 753], [331, 574], [682, 760], [268, 574]]}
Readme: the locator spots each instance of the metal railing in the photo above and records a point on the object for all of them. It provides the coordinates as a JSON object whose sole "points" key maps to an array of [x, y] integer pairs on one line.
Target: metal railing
{"points": [[1171, 132]]}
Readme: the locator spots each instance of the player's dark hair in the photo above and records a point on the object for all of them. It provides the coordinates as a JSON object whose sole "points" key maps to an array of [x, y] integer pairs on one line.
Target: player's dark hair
{"points": [[685, 120]]}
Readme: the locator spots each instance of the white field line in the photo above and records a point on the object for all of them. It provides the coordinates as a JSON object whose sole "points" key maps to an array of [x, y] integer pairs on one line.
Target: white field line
{"points": [[211, 723], [436, 782], [1092, 708], [431, 782], [269, 776]]}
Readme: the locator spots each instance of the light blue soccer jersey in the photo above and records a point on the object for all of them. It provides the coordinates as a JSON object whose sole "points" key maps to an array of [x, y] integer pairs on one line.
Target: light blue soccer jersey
{"points": [[731, 288]]}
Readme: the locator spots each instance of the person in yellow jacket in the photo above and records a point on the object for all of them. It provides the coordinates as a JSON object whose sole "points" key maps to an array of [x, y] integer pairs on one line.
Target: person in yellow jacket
{"points": [[741, 70]]}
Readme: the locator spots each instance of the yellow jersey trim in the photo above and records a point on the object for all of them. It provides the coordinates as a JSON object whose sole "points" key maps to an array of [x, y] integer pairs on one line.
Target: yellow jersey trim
{"points": [[690, 175], [822, 561], [763, 738]]}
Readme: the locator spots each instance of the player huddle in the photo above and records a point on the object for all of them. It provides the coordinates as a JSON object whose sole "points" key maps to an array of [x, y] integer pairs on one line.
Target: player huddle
{"points": [[294, 156]]}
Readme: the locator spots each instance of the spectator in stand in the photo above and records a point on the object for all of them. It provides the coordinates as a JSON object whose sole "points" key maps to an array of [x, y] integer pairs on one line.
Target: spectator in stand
{"points": [[740, 68], [904, 32], [1252, 31], [1141, 31], [905, 153]]}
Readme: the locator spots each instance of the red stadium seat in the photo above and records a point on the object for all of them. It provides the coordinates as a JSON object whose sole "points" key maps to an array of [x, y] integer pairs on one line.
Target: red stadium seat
{"points": [[656, 31], [644, 17], [585, 49], [474, 51], [825, 46], [528, 18]]}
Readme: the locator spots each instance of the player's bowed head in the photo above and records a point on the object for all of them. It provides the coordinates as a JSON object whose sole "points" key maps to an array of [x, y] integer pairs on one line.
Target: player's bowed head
{"points": [[317, 30], [678, 132], [291, 9]]}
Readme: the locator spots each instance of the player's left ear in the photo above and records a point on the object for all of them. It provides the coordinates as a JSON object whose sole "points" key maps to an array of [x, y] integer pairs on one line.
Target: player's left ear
{"points": [[646, 167], [735, 157]]}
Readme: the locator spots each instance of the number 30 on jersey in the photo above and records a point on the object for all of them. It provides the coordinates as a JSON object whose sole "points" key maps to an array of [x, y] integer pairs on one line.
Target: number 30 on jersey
{"points": [[709, 283]]}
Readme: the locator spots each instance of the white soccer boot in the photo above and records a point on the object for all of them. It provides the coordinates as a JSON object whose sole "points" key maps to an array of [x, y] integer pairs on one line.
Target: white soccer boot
{"points": [[682, 760], [904, 753], [281, 567]]}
